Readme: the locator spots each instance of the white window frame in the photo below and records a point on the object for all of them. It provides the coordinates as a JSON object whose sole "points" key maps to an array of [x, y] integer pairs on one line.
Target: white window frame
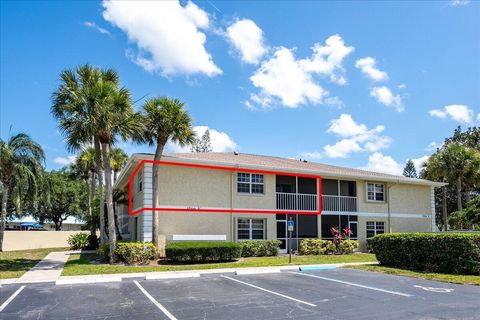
{"points": [[376, 228], [250, 183], [250, 228], [375, 184]]}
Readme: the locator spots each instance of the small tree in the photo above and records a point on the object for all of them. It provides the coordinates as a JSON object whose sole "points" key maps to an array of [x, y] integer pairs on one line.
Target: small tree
{"points": [[62, 196], [338, 235], [409, 170], [202, 145]]}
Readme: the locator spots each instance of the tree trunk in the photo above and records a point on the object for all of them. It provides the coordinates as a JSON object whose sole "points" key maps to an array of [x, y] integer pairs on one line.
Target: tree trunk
{"points": [[112, 237], [4, 215], [444, 209], [155, 182], [87, 187], [91, 196], [98, 160], [459, 193]]}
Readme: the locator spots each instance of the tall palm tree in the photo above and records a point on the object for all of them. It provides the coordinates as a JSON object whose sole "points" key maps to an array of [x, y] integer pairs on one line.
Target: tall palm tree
{"points": [[21, 169], [116, 119], [76, 104], [118, 159], [164, 119]]}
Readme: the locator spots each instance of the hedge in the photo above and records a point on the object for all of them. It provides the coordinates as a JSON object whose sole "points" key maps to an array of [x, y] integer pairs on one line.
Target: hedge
{"points": [[130, 252], [319, 246], [260, 248], [453, 253], [203, 251]]}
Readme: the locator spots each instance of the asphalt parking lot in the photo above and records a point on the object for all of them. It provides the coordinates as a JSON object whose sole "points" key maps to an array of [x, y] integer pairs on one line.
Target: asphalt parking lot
{"points": [[328, 294]]}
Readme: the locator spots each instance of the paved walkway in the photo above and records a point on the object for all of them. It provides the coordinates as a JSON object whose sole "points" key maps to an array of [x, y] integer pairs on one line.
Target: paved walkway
{"points": [[47, 270]]}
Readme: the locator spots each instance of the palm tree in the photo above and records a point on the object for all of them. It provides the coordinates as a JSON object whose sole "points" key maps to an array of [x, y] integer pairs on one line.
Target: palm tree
{"points": [[164, 119], [116, 118], [84, 166], [461, 162], [76, 104], [20, 171], [118, 159], [436, 169]]}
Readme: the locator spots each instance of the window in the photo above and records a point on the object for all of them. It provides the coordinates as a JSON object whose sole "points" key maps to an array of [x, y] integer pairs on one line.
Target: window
{"points": [[374, 228], [140, 181], [250, 229], [375, 192], [250, 183]]}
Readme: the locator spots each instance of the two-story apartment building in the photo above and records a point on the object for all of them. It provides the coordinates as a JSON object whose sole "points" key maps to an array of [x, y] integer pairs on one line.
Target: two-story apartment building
{"points": [[235, 196]]}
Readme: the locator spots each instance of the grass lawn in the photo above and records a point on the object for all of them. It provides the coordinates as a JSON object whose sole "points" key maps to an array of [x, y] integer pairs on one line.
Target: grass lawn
{"points": [[15, 263], [81, 264], [452, 278]]}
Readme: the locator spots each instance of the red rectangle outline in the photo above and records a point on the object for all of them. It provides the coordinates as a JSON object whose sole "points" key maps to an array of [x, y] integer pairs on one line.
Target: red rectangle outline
{"points": [[215, 167]]}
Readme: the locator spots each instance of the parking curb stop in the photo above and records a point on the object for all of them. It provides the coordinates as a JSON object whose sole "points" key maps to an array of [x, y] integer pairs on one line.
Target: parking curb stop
{"points": [[316, 268]]}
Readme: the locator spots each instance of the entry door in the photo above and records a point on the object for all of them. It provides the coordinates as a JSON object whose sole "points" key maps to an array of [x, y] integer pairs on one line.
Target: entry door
{"points": [[282, 234]]}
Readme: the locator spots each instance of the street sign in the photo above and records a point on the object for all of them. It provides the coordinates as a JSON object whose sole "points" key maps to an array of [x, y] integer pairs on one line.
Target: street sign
{"points": [[291, 225]]}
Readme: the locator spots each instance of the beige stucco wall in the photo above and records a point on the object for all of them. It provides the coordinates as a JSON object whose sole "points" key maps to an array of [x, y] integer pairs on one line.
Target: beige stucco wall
{"points": [[403, 199], [184, 186], [24, 240]]}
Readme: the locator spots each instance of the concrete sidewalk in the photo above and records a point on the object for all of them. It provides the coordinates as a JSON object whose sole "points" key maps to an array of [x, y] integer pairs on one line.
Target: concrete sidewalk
{"points": [[47, 270]]}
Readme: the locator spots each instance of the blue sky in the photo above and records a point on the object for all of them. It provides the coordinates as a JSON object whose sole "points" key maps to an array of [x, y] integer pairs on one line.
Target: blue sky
{"points": [[359, 84]]}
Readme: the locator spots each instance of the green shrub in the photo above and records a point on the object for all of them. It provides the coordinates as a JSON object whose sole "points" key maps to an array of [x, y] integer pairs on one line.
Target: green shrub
{"points": [[103, 251], [316, 246], [135, 252], [260, 248], [347, 246], [78, 241], [454, 253], [203, 251], [129, 252]]}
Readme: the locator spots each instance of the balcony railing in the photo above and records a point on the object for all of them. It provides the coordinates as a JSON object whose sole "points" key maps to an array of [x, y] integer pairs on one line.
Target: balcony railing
{"points": [[297, 201], [339, 203]]}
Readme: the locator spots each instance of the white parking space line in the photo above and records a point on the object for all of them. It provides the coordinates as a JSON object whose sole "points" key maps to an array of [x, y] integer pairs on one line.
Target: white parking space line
{"points": [[354, 284], [155, 302], [269, 291], [5, 304]]}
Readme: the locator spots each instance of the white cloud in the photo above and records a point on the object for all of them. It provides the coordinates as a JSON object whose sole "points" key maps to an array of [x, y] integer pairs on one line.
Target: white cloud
{"points": [[247, 38], [64, 161], [283, 78], [356, 138], [94, 26], [315, 155], [167, 35], [378, 162], [418, 163], [455, 3], [433, 146], [402, 86], [328, 59], [367, 66], [457, 112], [478, 117], [385, 96], [342, 148], [220, 141], [345, 126]]}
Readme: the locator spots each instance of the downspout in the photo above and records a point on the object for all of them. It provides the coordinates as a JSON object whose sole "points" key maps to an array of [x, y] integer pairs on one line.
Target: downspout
{"points": [[389, 214]]}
